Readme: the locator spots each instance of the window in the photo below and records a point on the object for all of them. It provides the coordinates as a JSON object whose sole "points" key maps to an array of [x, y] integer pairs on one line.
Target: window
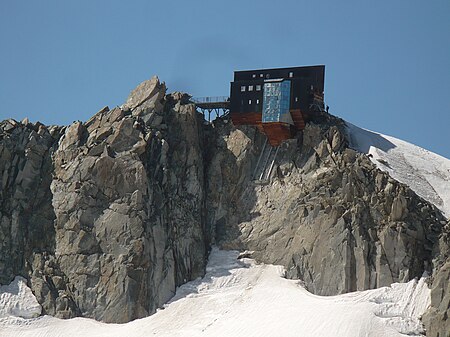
{"points": [[296, 99], [249, 102], [258, 87], [257, 101], [291, 74], [250, 88], [276, 98], [254, 75], [243, 88], [261, 75]]}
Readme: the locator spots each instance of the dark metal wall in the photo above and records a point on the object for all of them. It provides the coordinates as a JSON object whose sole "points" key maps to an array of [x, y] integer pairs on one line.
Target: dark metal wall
{"points": [[302, 80], [240, 101]]}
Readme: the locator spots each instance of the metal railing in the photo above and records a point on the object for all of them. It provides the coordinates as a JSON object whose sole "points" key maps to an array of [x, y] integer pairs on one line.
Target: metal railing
{"points": [[213, 99]]}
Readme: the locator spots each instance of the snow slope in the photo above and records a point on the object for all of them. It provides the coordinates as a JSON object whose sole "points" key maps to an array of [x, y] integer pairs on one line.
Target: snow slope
{"points": [[242, 298], [425, 172]]}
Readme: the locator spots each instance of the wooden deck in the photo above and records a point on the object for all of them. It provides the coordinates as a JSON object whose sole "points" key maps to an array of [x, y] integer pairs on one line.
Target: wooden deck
{"points": [[250, 118], [275, 132]]}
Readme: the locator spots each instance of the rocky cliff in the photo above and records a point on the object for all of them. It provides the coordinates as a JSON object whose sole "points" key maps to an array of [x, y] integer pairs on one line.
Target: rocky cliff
{"points": [[327, 214], [106, 218]]}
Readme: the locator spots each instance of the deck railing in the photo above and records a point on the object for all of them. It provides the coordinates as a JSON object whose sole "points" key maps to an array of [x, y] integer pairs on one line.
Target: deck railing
{"points": [[213, 106], [213, 99]]}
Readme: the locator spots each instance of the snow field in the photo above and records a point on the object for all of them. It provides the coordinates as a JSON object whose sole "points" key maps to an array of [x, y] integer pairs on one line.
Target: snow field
{"points": [[242, 298]]}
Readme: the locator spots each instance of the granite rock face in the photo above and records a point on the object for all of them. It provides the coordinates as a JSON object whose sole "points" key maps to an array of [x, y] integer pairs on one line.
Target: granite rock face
{"points": [[109, 220], [26, 213], [436, 319], [327, 214], [106, 218]]}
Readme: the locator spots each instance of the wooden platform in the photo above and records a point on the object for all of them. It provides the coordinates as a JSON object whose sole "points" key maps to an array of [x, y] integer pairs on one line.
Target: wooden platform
{"points": [[277, 132], [250, 118]]}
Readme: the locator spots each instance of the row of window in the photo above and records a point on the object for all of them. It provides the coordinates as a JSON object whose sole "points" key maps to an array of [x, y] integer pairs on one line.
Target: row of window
{"points": [[250, 102], [291, 74], [250, 88], [257, 101]]}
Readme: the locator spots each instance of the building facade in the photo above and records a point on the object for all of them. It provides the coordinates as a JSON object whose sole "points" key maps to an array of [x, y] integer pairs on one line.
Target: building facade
{"points": [[278, 101]]}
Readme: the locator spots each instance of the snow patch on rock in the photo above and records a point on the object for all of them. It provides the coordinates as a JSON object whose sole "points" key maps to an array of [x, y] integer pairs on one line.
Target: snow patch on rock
{"points": [[16, 299]]}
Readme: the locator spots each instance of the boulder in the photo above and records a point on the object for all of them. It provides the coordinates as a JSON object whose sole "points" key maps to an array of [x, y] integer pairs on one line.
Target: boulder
{"points": [[146, 100]]}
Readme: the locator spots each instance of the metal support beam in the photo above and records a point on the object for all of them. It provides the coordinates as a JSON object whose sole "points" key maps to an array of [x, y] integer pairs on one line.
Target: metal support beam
{"points": [[219, 106]]}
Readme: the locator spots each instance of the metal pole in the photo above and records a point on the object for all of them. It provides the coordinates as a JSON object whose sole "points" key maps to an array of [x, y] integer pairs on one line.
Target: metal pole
{"points": [[273, 162], [265, 164], [259, 159]]}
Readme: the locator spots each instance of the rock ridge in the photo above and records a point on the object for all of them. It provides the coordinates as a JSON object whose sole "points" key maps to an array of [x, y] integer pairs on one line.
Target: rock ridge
{"points": [[328, 214], [122, 208], [106, 218]]}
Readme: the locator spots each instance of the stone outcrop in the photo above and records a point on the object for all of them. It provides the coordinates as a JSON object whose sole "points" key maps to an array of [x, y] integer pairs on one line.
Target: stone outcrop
{"points": [[110, 220], [26, 212], [436, 319], [106, 218], [328, 215]]}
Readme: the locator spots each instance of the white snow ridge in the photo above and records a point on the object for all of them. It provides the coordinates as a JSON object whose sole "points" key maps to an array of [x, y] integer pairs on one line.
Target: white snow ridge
{"points": [[243, 298], [425, 172]]}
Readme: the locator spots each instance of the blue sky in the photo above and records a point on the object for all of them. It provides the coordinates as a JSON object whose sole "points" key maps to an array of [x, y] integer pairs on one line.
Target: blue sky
{"points": [[387, 61]]}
